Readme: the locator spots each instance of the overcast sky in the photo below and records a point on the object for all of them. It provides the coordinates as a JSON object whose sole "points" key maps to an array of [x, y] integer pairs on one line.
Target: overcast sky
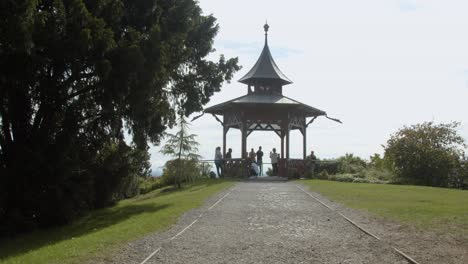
{"points": [[375, 64]]}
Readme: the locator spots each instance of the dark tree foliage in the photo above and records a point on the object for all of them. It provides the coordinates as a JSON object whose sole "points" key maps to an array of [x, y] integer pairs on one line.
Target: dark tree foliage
{"points": [[74, 75], [426, 154]]}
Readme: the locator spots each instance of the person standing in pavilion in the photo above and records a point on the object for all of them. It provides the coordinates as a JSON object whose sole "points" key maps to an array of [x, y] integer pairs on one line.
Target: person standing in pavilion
{"points": [[260, 160], [274, 161], [229, 154], [252, 155], [218, 159]]}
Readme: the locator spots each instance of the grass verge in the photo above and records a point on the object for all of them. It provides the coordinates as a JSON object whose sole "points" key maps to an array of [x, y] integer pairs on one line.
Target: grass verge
{"points": [[103, 231], [427, 208]]}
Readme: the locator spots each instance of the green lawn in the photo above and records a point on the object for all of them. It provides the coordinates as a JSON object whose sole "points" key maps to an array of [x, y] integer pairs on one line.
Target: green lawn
{"points": [[428, 208], [103, 231]]}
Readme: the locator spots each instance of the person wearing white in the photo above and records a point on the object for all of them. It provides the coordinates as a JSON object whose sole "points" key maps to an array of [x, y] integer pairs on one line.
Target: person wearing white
{"points": [[254, 169]]}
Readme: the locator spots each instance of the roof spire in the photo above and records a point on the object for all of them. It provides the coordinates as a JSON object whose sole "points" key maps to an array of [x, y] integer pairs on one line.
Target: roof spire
{"points": [[266, 27]]}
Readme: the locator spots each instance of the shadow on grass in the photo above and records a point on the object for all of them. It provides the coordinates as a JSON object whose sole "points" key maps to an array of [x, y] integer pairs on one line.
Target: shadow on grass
{"points": [[94, 222], [191, 187]]}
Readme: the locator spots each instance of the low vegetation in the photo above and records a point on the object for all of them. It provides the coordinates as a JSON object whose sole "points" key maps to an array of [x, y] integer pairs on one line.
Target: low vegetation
{"points": [[424, 154], [428, 208], [103, 231]]}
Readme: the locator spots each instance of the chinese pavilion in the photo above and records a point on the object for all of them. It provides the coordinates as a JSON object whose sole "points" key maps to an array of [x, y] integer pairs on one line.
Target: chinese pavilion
{"points": [[265, 108]]}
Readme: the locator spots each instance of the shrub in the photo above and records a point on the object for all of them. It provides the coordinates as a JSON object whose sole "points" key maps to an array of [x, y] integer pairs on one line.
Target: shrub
{"points": [[323, 175], [187, 170], [350, 164], [374, 174], [459, 176], [205, 169], [148, 184], [426, 154], [269, 172], [212, 175], [344, 177], [361, 180], [330, 166]]}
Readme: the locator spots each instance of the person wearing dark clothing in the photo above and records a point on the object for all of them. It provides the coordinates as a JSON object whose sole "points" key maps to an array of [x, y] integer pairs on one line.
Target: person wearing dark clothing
{"points": [[260, 160], [229, 154], [312, 159]]}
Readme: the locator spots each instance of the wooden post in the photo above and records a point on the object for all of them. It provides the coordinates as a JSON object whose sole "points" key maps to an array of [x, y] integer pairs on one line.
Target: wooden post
{"points": [[304, 135], [287, 141], [282, 143], [244, 139], [225, 130]]}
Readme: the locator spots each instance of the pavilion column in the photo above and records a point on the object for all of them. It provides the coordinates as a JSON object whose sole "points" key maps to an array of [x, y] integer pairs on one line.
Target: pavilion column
{"points": [[282, 143], [304, 135], [287, 141], [225, 130], [244, 138]]}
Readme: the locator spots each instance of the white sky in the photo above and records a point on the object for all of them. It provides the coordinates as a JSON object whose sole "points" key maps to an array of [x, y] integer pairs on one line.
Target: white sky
{"points": [[375, 64]]}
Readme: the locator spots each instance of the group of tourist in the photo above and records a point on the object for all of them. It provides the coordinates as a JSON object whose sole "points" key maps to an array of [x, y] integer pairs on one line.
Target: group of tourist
{"points": [[255, 160]]}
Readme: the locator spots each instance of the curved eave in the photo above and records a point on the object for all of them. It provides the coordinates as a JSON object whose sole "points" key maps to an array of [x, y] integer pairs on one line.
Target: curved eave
{"points": [[275, 101]]}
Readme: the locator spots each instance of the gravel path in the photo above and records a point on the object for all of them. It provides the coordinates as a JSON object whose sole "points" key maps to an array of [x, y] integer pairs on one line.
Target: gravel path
{"points": [[260, 222]]}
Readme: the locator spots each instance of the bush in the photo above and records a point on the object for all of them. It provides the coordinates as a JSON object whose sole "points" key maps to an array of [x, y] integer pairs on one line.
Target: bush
{"points": [[269, 172], [180, 171], [426, 154], [330, 166], [345, 177], [212, 175], [361, 180], [350, 164], [205, 169], [459, 176], [374, 174], [323, 175], [148, 184]]}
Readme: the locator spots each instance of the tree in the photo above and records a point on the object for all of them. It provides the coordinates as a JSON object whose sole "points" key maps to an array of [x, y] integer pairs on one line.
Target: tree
{"points": [[183, 147], [426, 154], [377, 162], [350, 164], [74, 75]]}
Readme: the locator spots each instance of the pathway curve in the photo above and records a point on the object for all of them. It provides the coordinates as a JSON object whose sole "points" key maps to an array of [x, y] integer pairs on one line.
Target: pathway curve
{"points": [[260, 222]]}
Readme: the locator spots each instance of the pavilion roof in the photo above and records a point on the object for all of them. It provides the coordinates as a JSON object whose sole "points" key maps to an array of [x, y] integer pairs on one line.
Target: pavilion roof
{"points": [[265, 68], [270, 100]]}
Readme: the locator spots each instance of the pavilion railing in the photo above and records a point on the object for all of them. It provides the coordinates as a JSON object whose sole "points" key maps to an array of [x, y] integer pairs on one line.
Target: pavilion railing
{"points": [[289, 168], [295, 168], [235, 168]]}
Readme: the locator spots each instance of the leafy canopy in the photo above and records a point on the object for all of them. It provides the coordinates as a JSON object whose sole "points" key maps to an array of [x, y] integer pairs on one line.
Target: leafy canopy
{"points": [[427, 153], [74, 76]]}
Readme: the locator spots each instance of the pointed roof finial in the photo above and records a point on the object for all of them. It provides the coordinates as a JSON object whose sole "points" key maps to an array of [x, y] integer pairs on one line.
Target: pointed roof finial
{"points": [[266, 27]]}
